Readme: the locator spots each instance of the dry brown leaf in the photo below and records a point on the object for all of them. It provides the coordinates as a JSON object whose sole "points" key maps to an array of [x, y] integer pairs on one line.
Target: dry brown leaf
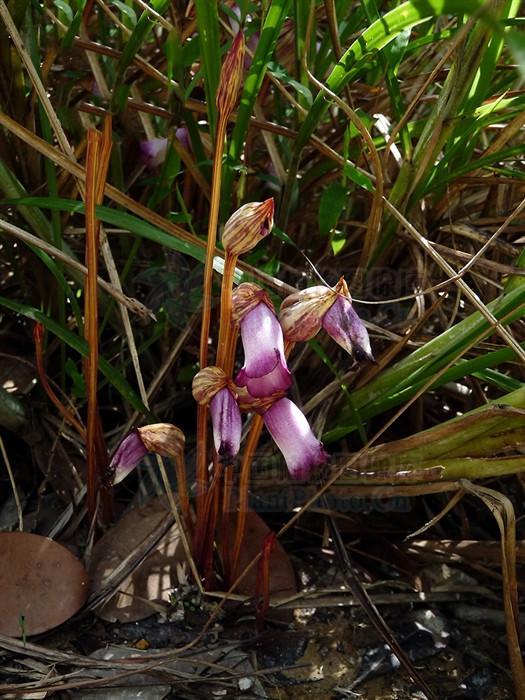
{"points": [[149, 583], [282, 576], [40, 580]]}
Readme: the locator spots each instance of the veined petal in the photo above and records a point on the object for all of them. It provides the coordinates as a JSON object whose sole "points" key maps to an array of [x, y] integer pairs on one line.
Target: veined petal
{"points": [[227, 423], [291, 431], [343, 324], [126, 457], [265, 370]]}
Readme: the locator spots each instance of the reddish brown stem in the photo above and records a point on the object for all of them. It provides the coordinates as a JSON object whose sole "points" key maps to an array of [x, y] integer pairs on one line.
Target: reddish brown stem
{"points": [[225, 521], [263, 578], [38, 335], [202, 411], [225, 326], [247, 457], [97, 161]]}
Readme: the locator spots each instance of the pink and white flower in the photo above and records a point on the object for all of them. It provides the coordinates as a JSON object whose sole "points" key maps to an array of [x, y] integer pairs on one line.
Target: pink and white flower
{"points": [[291, 431]]}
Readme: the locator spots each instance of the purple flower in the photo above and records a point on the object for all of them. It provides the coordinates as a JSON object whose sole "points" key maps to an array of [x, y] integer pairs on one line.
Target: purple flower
{"points": [[265, 371], [183, 136], [292, 433], [126, 457], [343, 324], [153, 152], [227, 424]]}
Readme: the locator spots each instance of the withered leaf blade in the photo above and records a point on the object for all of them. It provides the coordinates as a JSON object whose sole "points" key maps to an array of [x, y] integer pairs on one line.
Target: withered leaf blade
{"points": [[42, 584]]}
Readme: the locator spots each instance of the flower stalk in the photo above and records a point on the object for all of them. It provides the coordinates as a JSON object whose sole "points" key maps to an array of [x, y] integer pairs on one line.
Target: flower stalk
{"points": [[227, 96]]}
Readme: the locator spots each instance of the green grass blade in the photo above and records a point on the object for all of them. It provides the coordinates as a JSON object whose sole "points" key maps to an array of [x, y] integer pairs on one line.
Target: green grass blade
{"points": [[80, 345], [133, 47], [210, 54], [400, 382], [376, 37], [252, 84]]}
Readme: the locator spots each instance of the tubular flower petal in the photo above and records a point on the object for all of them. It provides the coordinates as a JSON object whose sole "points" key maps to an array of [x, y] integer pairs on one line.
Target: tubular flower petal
{"points": [[126, 457], [343, 324], [291, 431], [153, 152], [227, 423], [163, 438], [265, 371], [247, 226]]}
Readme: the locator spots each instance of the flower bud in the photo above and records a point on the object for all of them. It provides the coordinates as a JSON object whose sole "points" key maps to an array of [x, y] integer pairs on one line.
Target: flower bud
{"points": [[247, 226], [231, 77]]}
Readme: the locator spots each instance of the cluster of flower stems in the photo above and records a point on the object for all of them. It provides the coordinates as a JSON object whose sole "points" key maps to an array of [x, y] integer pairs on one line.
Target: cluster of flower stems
{"points": [[259, 387]]}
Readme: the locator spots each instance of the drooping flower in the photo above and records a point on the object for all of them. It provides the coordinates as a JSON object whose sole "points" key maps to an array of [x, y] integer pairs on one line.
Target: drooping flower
{"points": [[304, 313], [163, 438], [227, 423], [265, 372], [247, 226], [212, 386], [127, 456], [342, 323], [291, 431]]}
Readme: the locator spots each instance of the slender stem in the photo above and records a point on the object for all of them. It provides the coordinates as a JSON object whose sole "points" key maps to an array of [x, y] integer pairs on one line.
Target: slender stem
{"points": [[225, 522], [202, 411], [226, 309], [253, 439], [180, 470]]}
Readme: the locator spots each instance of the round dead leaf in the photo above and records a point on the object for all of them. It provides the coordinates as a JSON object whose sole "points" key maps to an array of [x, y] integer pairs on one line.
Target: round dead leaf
{"points": [[150, 582], [42, 584]]}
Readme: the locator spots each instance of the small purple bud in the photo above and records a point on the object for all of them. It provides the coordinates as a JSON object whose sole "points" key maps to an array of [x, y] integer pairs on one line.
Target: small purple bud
{"points": [[183, 136], [292, 433], [126, 457], [227, 423], [265, 371], [343, 324], [153, 152]]}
